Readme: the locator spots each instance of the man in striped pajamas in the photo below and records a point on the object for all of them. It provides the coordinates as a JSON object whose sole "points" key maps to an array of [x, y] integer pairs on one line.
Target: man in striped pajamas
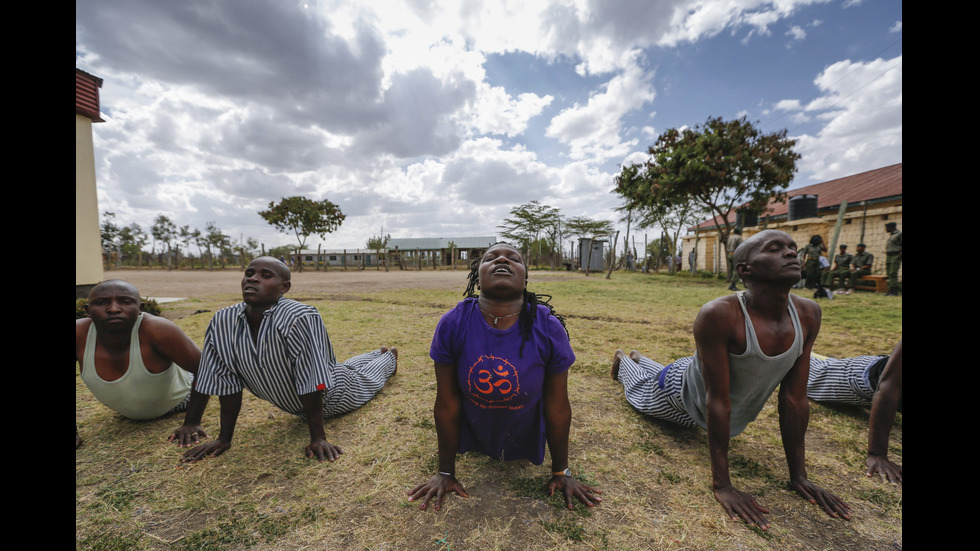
{"points": [[279, 349], [747, 344], [864, 381]]}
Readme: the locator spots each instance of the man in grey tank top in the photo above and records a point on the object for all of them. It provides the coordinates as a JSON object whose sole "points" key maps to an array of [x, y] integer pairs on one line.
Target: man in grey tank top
{"points": [[131, 361], [747, 344]]}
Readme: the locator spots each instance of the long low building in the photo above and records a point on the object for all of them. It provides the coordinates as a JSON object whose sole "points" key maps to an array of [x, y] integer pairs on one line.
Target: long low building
{"points": [[873, 198], [438, 251]]}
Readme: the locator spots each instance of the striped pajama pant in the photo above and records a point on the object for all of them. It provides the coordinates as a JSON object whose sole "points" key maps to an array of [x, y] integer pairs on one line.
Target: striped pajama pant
{"points": [[841, 381], [356, 381], [654, 389]]}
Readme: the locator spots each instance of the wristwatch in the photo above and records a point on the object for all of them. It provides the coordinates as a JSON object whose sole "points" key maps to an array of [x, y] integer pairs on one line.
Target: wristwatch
{"points": [[566, 472]]}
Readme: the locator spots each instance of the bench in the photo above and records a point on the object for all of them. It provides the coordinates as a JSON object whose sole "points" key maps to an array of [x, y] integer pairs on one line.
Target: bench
{"points": [[876, 283]]}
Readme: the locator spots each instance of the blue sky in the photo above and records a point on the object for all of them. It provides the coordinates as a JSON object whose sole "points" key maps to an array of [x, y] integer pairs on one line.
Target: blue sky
{"points": [[431, 119]]}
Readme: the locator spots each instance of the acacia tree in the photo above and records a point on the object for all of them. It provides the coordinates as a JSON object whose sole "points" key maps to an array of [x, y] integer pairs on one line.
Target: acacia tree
{"points": [[109, 234], [303, 217], [132, 240], [378, 243], [215, 240], [720, 165], [525, 224], [656, 208], [165, 231]]}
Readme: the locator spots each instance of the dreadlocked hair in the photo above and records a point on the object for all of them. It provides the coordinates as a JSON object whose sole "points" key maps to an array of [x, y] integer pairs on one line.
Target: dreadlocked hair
{"points": [[525, 320]]}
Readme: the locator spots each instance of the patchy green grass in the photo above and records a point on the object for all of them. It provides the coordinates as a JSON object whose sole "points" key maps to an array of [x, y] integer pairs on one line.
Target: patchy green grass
{"points": [[131, 492]]}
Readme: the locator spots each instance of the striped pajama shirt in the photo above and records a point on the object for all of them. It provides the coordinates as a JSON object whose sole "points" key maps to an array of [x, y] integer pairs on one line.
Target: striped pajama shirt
{"points": [[291, 356]]}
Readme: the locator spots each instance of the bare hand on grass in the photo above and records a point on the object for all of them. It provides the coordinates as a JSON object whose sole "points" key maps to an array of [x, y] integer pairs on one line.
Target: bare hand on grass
{"points": [[186, 436], [831, 504], [211, 449], [323, 450], [571, 487], [742, 505], [888, 470], [438, 486]]}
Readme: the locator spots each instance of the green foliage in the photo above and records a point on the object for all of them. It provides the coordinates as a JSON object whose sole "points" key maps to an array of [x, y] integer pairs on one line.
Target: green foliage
{"points": [[525, 225], [378, 243], [719, 165], [303, 217], [80, 308], [151, 306]]}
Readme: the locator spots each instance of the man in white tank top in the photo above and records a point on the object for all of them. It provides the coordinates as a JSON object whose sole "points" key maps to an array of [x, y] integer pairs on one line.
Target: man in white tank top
{"points": [[747, 344], [132, 361]]}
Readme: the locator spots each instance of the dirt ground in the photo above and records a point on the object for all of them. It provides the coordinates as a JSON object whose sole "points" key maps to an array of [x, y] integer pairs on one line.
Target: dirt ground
{"points": [[202, 283]]}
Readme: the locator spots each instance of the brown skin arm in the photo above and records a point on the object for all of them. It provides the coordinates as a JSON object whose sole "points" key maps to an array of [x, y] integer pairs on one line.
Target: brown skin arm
{"points": [[319, 447], [170, 342], [557, 423], [448, 417], [231, 406], [883, 407], [81, 331], [794, 416], [714, 335]]}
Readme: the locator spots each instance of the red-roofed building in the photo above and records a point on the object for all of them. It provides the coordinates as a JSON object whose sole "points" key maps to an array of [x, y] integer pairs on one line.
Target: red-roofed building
{"points": [[88, 243], [872, 197]]}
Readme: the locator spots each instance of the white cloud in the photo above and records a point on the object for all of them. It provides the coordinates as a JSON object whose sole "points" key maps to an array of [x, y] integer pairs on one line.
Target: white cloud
{"points": [[862, 107], [592, 131], [896, 28], [796, 32]]}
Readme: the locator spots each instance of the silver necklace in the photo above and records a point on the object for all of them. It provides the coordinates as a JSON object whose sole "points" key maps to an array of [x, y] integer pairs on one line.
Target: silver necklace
{"points": [[497, 318]]}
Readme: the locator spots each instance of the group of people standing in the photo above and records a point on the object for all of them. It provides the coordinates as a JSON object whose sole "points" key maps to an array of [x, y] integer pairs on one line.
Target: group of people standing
{"points": [[848, 269], [501, 360]]}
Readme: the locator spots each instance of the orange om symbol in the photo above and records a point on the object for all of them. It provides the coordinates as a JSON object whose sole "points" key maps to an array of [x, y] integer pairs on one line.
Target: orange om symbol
{"points": [[492, 380]]}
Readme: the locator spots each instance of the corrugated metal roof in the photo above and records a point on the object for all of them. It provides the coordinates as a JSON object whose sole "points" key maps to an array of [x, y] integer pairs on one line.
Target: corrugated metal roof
{"points": [[87, 95], [434, 243], [880, 183]]}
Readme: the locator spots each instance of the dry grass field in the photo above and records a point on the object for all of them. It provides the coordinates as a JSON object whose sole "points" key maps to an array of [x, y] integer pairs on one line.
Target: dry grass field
{"points": [[131, 492]]}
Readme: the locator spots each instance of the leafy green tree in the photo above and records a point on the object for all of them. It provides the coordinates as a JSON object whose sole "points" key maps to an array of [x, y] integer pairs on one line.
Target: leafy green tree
{"points": [[246, 249], [215, 241], [165, 231], [525, 224], [303, 217], [132, 240], [378, 244], [656, 210], [720, 165], [109, 232]]}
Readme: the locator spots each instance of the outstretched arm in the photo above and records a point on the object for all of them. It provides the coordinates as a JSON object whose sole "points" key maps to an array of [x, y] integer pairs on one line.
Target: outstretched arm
{"points": [[447, 412], [794, 417], [319, 446], [557, 423], [712, 333], [231, 405], [883, 407]]}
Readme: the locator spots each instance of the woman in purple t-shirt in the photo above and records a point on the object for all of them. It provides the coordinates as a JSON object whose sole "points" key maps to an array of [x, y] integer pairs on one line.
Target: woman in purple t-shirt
{"points": [[501, 361]]}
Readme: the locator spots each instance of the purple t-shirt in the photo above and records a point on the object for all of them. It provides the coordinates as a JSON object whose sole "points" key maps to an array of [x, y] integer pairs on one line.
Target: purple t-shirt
{"points": [[503, 393]]}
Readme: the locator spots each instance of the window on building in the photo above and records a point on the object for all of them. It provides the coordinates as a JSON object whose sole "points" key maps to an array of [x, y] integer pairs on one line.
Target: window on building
{"points": [[333, 257]]}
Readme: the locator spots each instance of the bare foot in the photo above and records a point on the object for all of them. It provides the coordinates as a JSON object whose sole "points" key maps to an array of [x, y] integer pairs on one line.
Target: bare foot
{"points": [[394, 352], [635, 356], [617, 357]]}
